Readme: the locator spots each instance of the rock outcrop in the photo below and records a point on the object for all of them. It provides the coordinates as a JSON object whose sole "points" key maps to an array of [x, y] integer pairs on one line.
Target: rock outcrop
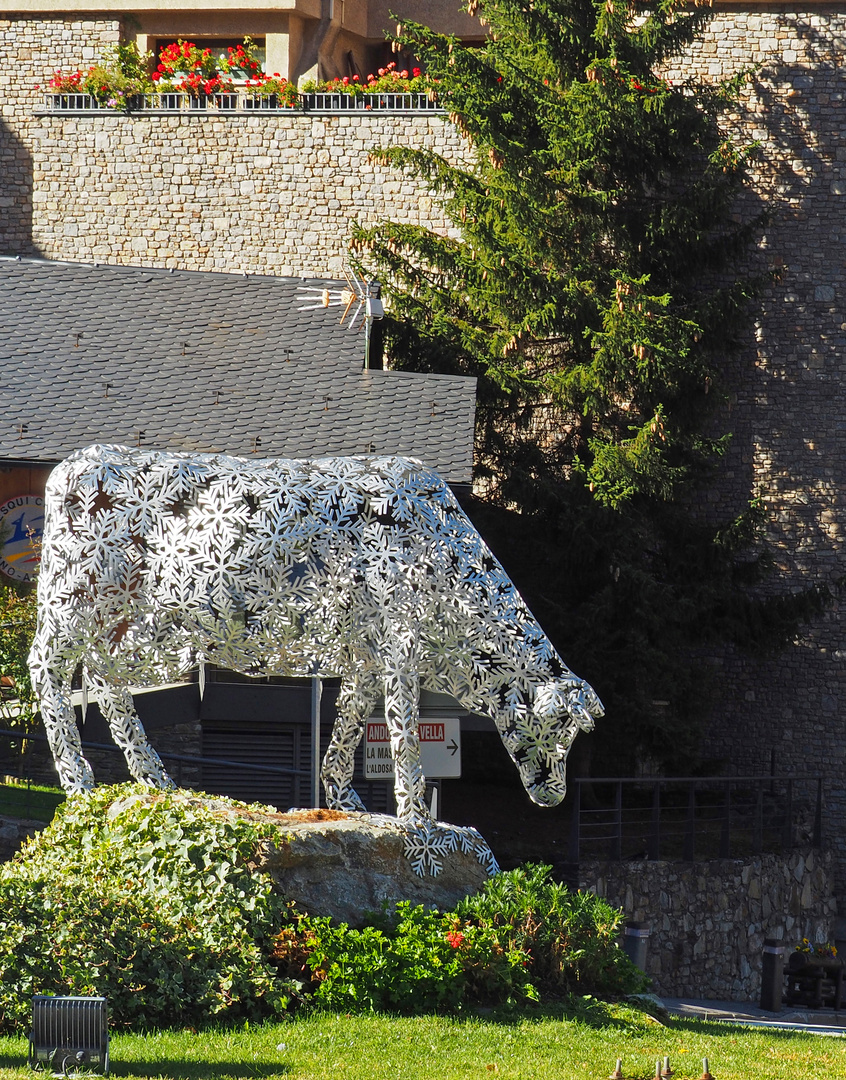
{"points": [[348, 864]]}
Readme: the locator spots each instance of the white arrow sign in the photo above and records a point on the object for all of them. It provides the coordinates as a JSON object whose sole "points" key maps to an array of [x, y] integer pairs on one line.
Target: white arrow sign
{"points": [[440, 749]]}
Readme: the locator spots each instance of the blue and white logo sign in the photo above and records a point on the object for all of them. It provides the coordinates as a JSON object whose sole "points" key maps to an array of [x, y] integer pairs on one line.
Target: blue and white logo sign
{"points": [[21, 523]]}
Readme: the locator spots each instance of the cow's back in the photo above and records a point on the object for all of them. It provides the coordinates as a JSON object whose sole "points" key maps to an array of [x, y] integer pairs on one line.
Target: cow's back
{"points": [[180, 548]]}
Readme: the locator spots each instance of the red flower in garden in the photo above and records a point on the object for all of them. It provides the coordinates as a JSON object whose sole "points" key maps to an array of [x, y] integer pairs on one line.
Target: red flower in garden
{"points": [[454, 938]]}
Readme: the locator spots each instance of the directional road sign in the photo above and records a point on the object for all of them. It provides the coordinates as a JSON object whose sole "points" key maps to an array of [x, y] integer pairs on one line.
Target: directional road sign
{"points": [[440, 749]]}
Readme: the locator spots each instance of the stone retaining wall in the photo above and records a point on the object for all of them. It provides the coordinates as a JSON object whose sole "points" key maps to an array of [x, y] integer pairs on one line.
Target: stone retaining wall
{"points": [[230, 192], [13, 833], [787, 407], [708, 920]]}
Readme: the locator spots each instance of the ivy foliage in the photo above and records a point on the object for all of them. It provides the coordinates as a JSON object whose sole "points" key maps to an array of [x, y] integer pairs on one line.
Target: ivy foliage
{"points": [[154, 901], [595, 281], [148, 902]]}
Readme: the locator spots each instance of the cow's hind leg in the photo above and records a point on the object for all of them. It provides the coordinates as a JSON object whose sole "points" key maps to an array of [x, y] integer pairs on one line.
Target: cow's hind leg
{"points": [[355, 703], [52, 688], [144, 763]]}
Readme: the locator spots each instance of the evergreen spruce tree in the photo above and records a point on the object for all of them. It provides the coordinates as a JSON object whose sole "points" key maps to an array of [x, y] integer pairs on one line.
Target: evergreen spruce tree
{"points": [[591, 284]]}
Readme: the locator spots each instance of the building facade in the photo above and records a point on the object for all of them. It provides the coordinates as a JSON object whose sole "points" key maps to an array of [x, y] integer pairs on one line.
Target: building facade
{"points": [[274, 194]]}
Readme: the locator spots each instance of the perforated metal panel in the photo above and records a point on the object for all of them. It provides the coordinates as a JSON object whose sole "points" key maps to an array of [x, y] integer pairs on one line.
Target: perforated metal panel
{"points": [[69, 1034]]}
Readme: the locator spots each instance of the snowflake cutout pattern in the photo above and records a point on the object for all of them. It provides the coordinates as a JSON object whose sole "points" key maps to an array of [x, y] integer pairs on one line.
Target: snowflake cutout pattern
{"points": [[360, 568]]}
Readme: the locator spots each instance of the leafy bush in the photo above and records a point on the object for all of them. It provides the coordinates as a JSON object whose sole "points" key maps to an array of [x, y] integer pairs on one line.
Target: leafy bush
{"points": [[152, 900], [419, 964], [569, 937], [17, 627], [523, 936], [149, 902]]}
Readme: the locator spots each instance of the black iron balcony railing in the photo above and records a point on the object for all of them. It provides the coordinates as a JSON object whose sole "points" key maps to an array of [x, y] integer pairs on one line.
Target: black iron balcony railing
{"points": [[241, 101], [693, 817]]}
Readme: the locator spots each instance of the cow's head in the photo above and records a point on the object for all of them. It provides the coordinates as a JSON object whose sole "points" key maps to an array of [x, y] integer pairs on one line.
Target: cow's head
{"points": [[539, 735]]}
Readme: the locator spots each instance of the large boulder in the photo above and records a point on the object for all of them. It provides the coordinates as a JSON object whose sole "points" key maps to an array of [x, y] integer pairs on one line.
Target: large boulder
{"points": [[348, 864]]}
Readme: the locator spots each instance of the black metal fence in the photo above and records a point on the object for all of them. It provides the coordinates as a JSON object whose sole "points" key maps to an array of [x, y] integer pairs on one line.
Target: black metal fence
{"points": [[693, 817], [613, 819], [244, 101], [28, 760]]}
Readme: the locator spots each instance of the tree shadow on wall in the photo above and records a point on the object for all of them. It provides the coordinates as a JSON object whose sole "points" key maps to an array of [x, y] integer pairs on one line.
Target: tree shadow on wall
{"points": [[796, 118], [16, 184]]}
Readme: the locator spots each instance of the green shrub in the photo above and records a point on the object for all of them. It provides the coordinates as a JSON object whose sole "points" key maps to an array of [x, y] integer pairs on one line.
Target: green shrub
{"points": [[423, 962], [151, 899], [522, 937], [17, 627], [569, 937], [150, 903]]}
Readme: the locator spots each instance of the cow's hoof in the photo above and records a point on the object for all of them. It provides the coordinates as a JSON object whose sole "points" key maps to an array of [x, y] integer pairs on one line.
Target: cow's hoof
{"points": [[76, 778], [427, 843], [348, 802]]}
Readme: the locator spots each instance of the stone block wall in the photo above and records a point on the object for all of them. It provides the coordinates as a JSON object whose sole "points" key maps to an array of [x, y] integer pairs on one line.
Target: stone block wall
{"points": [[708, 920], [787, 392], [269, 193], [30, 51], [14, 832]]}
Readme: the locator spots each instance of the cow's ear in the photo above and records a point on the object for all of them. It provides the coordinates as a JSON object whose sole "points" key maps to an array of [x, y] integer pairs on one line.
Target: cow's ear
{"points": [[548, 702]]}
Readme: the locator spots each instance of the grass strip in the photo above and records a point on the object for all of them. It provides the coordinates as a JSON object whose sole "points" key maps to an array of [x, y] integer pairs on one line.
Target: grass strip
{"points": [[538, 1044], [29, 801]]}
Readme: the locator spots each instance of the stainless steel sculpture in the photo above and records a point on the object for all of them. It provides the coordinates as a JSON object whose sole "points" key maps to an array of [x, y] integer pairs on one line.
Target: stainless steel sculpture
{"points": [[363, 568]]}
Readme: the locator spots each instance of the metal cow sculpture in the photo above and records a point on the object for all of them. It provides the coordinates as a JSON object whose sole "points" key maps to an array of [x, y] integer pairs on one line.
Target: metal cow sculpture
{"points": [[363, 568]]}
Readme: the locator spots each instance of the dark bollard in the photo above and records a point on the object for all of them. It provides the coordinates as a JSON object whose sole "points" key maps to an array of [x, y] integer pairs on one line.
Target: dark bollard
{"points": [[772, 974], [635, 940]]}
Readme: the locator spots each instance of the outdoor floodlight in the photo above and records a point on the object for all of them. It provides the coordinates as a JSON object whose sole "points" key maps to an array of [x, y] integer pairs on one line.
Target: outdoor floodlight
{"points": [[69, 1034]]}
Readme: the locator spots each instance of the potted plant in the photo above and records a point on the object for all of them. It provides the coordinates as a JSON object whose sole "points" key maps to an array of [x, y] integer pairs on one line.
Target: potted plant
{"points": [[809, 954], [187, 69], [66, 90], [118, 81], [270, 92]]}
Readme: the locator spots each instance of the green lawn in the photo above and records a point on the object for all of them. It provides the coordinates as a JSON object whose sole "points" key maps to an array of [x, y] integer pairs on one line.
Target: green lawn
{"points": [[540, 1045], [34, 801]]}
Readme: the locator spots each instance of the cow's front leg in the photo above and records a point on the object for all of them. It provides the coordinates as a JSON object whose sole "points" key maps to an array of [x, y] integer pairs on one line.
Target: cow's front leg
{"points": [[402, 716], [53, 692], [355, 703], [144, 763]]}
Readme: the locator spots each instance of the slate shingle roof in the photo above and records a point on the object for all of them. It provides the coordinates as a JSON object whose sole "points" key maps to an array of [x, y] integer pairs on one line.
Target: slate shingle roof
{"points": [[206, 362]]}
